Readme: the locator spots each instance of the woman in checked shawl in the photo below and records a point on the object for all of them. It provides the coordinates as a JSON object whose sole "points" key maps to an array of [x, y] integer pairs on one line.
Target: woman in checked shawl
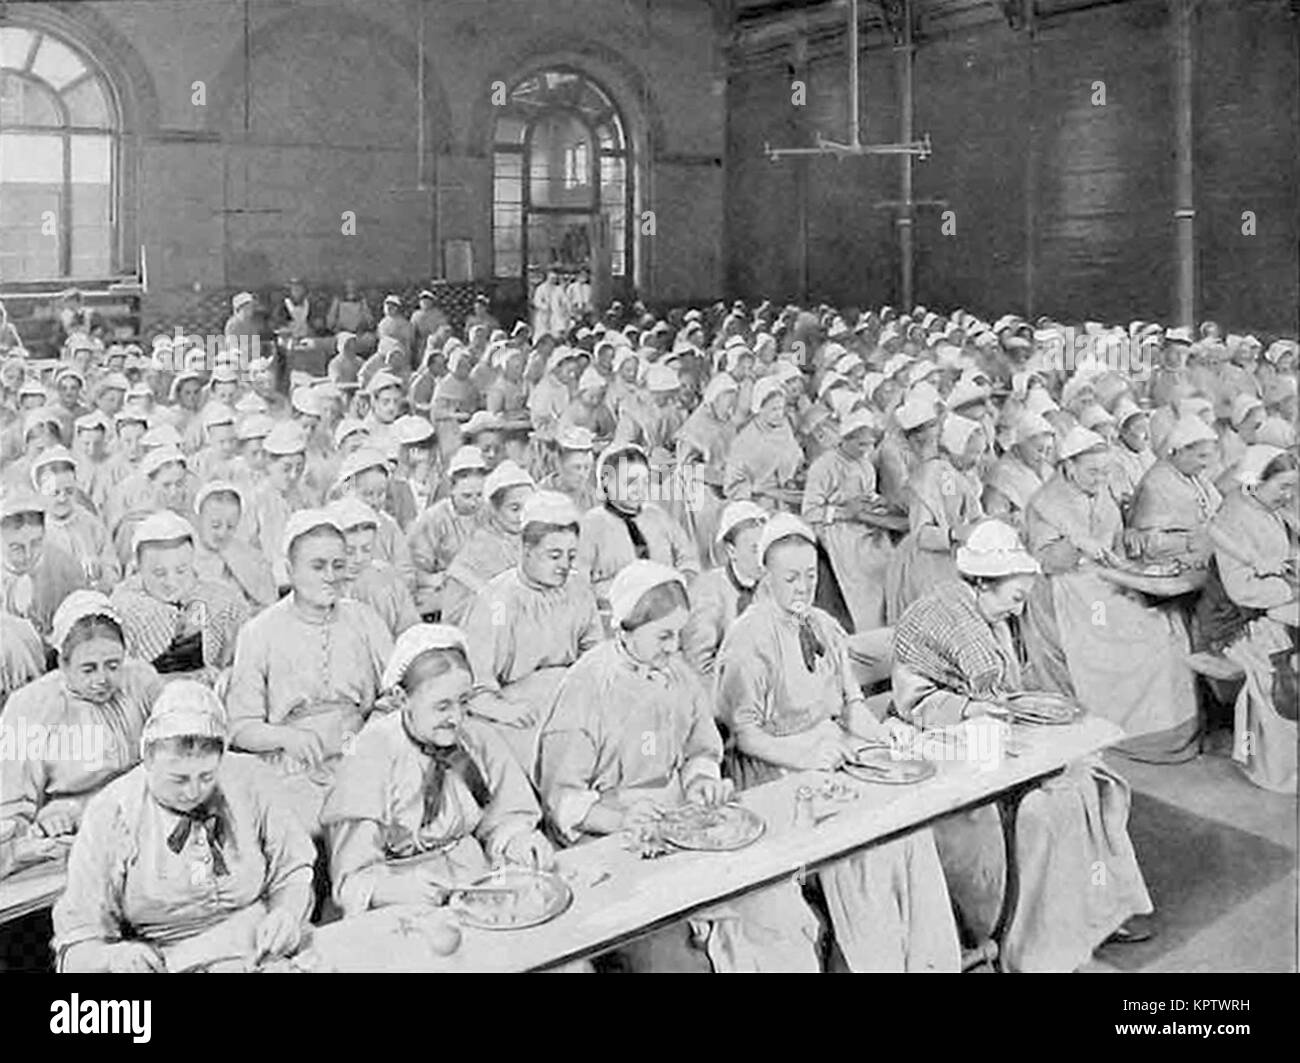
{"points": [[954, 659]]}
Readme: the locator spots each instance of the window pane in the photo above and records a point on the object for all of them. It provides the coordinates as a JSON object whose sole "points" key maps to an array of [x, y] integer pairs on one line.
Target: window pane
{"points": [[91, 206], [26, 103], [56, 63], [31, 158], [87, 106], [508, 190], [91, 160], [508, 164], [506, 216], [508, 263], [612, 187], [510, 131], [14, 46], [31, 186]]}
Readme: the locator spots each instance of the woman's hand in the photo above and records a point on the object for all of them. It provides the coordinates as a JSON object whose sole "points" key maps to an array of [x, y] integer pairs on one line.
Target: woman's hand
{"points": [[134, 957], [708, 791], [642, 812], [278, 934], [825, 754], [305, 747], [56, 821], [530, 849], [984, 708]]}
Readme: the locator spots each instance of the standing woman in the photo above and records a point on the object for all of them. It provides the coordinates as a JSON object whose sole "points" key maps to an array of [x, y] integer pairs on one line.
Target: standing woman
{"points": [[944, 506], [95, 690], [186, 842], [307, 669], [787, 693], [953, 657], [598, 775], [427, 781], [1248, 612]]}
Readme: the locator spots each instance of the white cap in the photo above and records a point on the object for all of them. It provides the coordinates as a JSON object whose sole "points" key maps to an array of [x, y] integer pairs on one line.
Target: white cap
{"points": [[737, 513], [992, 550], [416, 640], [184, 708], [161, 527], [780, 526], [77, 606], [549, 507], [636, 580], [507, 474]]}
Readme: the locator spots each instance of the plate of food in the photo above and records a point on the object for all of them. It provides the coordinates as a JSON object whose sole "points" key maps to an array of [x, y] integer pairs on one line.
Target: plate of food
{"points": [[1152, 569], [1041, 707], [716, 828], [880, 765], [512, 898]]}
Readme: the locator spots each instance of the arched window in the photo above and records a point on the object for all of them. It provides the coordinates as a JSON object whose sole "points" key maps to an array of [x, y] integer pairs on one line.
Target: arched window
{"points": [[59, 130], [562, 190]]}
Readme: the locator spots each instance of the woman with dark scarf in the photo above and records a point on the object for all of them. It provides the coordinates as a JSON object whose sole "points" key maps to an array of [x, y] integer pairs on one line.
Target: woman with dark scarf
{"points": [[428, 797], [188, 844]]}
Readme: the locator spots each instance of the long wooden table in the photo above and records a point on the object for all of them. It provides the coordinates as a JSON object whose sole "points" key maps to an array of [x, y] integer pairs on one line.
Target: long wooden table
{"points": [[619, 897], [30, 890]]}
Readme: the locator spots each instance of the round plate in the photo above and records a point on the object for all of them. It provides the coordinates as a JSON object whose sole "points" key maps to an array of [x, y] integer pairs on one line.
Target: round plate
{"points": [[1044, 708], [879, 765], [539, 897], [717, 829]]}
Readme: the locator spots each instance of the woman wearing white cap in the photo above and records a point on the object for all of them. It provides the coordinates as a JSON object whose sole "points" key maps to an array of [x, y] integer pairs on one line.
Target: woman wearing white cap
{"points": [[550, 396], [190, 841], [653, 419], [1248, 612], [788, 695], [702, 448], [588, 409], [1090, 639], [70, 525], [367, 474], [277, 496], [944, 505], [721, 594], [765, 455], [1131, 456], [507, 396], [530, 623], [1175, 500], [1021, 471], [34, 577], [428, 785], [92, 707], [220, 555], [954, 658], [173, 618], [1245, 419], [574, 462], [493, 547], [368, 579], [837, 498], [598, 775], [306, 672], [442, 529]]}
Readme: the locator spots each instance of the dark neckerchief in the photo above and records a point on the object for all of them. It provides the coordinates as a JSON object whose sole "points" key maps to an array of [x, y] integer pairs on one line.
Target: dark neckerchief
{"points": [[212, 817], [634, 533], [744, 595], [444, 759]]}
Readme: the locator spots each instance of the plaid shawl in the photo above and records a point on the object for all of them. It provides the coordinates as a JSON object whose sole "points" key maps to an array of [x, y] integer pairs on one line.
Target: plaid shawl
{"points": [[152, 626], [944, 637]]}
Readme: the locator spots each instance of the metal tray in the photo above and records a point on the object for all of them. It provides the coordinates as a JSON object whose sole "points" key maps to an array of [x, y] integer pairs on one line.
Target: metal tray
{"points": [[487, 913], [880, 766], [717, 829]]}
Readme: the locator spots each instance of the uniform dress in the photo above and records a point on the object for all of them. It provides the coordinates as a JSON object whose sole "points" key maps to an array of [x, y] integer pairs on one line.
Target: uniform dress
{"points": [[140, 870], [241, 567], [35, 595], [1008, 487], [889, 905], [381, 587], [63, 775], [522, 638], [761, 460], [594, 742], [947, 654], [717, 598], [82, 536], [489, 551], [433, 541], [22, 655], [1169, 516], [606, 547], [702, 447]]}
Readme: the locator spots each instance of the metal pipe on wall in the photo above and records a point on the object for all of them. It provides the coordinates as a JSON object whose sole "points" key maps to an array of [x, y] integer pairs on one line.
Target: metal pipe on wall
{"points": [[1184, 185], [905, 219]]}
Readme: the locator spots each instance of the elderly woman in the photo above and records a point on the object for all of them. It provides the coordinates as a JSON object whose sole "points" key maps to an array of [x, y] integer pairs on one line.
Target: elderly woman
{"points": [[653, 420], [627, 527], [912, 440], [367, 579], [1018, 474], [837, 501], [429, 786], [178, 621], [71, 527], [702, 447], [34, 577], [944, 506], [574, 459], [598, 775], [588, 409], [529, 624], [442, 529], [1248, 612], [220, 556], [1131, 456], [189, 842], [1091, 639], [787, 693], [97, 699], [277, 496], [493, 547], [765, 455], [365, 474], [306, 672], [954, 658], [1175, 500], [164, 483], [721, 594]]}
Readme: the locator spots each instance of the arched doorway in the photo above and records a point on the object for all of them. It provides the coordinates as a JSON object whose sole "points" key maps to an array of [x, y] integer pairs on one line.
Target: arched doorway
{"points": [[562, 185]]}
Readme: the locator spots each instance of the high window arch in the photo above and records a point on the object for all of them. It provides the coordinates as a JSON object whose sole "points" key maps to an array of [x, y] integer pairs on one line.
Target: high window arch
{"points": [[562, 182], [60, 160]]}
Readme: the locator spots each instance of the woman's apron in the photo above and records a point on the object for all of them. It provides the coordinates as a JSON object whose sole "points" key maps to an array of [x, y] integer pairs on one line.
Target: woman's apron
{"points": [[860, 556], [1264, 742]]}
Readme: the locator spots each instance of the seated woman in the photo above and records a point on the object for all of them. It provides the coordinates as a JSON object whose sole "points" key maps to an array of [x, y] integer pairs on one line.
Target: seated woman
{"points": [[163, 484], [702, 448], [944, 506], [722, 594], [1248, 612], [1175, 500], [598, 775], [786, 690], [627, 527], [34, 577], [574, 461], [22, 655], [179, 622], [427, 780], [366, 579], [953, 657], [441, 530], [1090, 639], [529, 624], [364, 474], [69, 525], [494, 545], [220, 555], [188, 841], [765, 456], [1018, 474], [279, 494], [306, 672], [97, 698]]}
